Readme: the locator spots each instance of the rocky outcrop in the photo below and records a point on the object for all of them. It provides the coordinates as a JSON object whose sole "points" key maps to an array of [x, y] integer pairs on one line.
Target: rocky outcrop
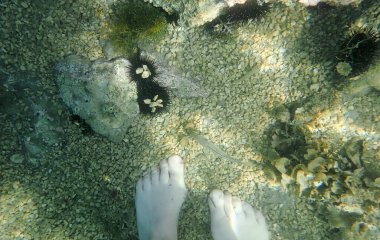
{"points": [[100, 92]]}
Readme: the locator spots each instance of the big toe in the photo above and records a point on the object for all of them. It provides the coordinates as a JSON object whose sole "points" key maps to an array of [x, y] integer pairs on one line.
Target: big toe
{"points": [[176, 170]]}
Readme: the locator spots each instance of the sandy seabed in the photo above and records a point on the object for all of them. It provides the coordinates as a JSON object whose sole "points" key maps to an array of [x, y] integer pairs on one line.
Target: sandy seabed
{"points": [[84, 186]]}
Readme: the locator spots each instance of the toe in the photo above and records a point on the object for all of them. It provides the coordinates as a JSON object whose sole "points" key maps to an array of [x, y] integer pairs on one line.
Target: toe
{"points": [[164, 171], [248, 210], [216, 199], [176, 170], [259, 217], [237, 205], [228, 209], [139, 185], [155, 176], [146, 182]]}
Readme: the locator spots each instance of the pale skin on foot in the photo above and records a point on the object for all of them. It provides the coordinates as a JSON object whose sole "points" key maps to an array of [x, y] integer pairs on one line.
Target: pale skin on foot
{"points": [[159, 197]]}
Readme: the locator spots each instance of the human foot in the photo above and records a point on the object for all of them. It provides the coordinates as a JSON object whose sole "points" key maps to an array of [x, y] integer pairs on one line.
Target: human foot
{"points": [[233, 219], [159, 197]]}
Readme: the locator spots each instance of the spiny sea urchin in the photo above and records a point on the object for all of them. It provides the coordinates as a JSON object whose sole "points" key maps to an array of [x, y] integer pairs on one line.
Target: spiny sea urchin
{"points": [[359, 49], [142, 68], [151, 96], [249, 10]]}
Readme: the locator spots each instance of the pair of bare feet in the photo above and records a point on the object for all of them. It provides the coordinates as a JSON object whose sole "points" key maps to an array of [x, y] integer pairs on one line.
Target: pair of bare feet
{"points": [[159, 197]]}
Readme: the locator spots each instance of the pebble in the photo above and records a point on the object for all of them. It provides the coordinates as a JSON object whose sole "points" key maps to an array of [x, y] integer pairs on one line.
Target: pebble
{"points": [[24, 5], [17, 158]]}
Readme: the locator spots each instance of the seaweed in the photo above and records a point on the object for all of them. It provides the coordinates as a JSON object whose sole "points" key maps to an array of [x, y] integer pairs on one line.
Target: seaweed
{"points": [[134, 21]]}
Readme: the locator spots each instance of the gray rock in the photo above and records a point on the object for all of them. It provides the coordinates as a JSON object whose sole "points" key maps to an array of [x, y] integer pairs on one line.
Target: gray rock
{"points": [[100, 92], [34, 114]]}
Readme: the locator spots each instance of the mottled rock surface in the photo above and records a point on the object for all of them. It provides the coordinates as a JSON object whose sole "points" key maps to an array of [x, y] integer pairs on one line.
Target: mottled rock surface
{"points": [[100, 92]]}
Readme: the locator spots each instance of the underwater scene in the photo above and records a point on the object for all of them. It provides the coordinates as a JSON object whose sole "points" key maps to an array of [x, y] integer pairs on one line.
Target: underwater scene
{"points": [[190, 119]]}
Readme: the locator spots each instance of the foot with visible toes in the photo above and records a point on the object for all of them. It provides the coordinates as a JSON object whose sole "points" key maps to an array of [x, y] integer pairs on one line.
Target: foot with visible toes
{"points": [[233, 219], [159, 197]]}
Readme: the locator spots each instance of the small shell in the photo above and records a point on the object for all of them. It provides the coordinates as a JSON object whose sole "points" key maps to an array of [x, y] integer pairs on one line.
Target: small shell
{"points": [[311, 154], [281, 164], [336, 187], [302, 181], [286, 180], [316, 164], [376, 183], [320, 179]]}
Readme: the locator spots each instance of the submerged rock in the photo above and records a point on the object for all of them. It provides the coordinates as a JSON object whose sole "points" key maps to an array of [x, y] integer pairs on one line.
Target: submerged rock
{"points": [[35, 116], [100, 92]]}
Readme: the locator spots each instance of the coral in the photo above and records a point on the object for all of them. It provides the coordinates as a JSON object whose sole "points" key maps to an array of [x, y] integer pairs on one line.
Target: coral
{"points": [[286, 139], [343, 187]]}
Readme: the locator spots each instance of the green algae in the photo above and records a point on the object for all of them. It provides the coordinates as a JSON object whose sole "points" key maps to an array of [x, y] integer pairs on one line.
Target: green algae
{"points": [[135, 21]]}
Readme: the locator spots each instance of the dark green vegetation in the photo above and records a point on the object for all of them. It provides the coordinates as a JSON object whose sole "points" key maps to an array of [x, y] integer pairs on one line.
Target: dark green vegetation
{"points": [[133, 21], [250, 10], [359, 49]]}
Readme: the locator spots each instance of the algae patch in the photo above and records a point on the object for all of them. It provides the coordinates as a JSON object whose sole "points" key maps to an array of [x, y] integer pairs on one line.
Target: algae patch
{"points": [[135, 21]]}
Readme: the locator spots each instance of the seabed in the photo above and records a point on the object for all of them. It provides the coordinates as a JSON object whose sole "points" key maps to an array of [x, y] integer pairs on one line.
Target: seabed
{"points": [[279, 67]]}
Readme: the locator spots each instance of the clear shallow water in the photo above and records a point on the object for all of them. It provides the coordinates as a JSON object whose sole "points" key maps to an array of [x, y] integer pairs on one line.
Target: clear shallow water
{"points": [[275, 104]]}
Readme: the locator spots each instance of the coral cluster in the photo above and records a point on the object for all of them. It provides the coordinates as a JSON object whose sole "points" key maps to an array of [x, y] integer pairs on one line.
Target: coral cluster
{"points": [[336, 178]]}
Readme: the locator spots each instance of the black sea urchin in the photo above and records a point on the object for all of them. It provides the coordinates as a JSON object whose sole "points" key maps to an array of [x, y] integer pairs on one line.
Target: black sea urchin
{"points": [[359, 49], [142, 68], [249, 10], [152, 98]]}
